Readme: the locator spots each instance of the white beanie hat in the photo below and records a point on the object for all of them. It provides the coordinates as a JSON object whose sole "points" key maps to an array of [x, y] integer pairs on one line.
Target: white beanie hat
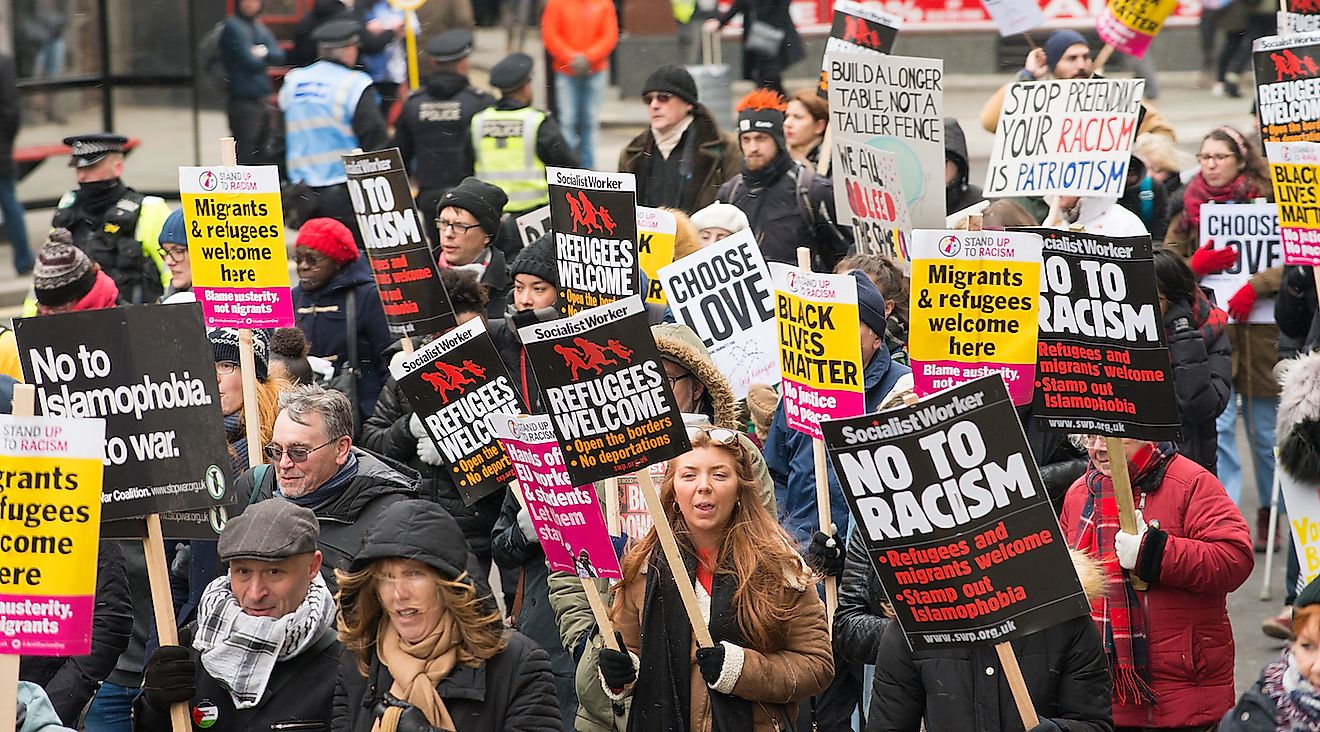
{"points": [[722, 216]]}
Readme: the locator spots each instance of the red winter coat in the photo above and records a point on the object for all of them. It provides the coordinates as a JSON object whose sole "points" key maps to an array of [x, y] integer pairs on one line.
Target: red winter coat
{"points": [[1207, 555]]}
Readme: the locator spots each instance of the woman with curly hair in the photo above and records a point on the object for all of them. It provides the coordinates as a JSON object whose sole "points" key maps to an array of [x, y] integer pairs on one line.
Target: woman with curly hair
{"points": [[757, 597], [425, 647]]}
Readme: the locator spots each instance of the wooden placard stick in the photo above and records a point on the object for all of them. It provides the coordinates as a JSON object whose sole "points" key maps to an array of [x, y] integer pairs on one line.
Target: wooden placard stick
{"points": [[24, 405], [669, 544], [1013, 674], [247, 361], [822, 485], [1127, 517], [158, 574], [1101, 59]]}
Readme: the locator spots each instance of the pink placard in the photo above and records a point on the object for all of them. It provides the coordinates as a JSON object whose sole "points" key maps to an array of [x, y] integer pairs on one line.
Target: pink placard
{"points": [[932, 376], [46, 625], [246, 307]]}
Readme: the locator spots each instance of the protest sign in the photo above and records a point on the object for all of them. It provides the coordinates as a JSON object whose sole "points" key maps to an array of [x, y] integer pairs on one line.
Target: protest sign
{"points": [[601, 380], [1015, 16], [452, 383], [723, 292], [1071, 137], [1252, 229], [1130, 25], [820, 354], [634, 519], [975, 305], [1102, 364], [1303, 502], [895, 104], [1300, 16], [868, 196], [149, 371], [414, 299], [1295, 170], [50, 514], [953, 514], [1287, 95], [857, 28], [240, 271], [594, 217], [656, 229], [567, 517], [533, 225]]}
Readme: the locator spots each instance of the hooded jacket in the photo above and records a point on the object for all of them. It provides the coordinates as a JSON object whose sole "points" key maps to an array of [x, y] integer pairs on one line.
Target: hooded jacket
{"points": [[680, 344], [959, 193], [1202, 374], [716, 157]]}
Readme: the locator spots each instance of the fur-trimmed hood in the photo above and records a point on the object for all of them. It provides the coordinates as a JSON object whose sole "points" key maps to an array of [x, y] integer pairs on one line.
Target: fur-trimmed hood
{"points": [[1089, 572], [679, 343], [1297, 425]]}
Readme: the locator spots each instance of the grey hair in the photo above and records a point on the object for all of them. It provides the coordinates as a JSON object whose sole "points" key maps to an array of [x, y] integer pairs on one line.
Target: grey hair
{"points": [[335, 409]]}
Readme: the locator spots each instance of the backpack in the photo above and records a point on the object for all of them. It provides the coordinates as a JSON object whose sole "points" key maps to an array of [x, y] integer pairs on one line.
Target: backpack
{"points": [[803, 177], [209, 62]]}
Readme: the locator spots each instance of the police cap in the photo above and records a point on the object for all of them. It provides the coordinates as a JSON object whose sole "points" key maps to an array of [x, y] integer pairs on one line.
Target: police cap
{"points": [[90, 149], [337, 33], [512, 72], [451, 45]]}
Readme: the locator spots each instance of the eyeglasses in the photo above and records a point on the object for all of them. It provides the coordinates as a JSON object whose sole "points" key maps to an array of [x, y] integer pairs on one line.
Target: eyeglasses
{"points": [[225, 368], [459, 228], [717, 435], [1217, 157], [662, 97], [673, 380], [174, 254], [1091, 440], [297, 453], [309, 258]]}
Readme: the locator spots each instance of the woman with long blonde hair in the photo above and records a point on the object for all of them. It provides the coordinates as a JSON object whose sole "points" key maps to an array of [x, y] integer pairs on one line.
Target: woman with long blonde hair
{"points": [[758, 599]]}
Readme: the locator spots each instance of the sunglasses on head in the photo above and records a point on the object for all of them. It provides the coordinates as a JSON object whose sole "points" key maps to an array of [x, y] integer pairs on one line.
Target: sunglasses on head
{"points": [[717, 435]]}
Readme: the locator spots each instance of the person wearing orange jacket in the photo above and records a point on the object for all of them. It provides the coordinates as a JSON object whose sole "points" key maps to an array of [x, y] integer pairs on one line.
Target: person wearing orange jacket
{"points": [[580, 35]]}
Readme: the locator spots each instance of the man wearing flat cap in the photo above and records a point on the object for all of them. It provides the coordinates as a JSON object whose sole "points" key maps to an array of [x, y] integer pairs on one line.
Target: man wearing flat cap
{"points": [[329, 110], [263, 651], [116, 226], [432, 131], [515, 143]]}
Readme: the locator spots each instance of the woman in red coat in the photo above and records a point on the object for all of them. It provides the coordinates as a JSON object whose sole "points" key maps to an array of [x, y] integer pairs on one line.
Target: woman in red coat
{"points": [[1170, 647]]}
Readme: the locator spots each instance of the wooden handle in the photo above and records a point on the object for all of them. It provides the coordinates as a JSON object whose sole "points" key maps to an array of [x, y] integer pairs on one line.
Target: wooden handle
{"points": [[1101, 59], [1127, 517], [823, 514], [602, 615], [228, 151], [611, 501], [1013, 674], [158, 575], [247, 363], [676, 567]]}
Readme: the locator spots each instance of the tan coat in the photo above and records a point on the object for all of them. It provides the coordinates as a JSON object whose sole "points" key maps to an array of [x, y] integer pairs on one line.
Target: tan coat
{"points": [[1153, 122], [804, 667]]}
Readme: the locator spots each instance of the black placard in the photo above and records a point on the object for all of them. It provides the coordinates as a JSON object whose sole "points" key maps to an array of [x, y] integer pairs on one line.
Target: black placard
{"points": [[1287, 94], [594, 218]]}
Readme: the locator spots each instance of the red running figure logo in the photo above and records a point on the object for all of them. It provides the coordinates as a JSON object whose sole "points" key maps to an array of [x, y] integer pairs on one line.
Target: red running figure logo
{"points": [[590, 356], [589, 217], [447, 378], [856, 30], [1288, 65]]}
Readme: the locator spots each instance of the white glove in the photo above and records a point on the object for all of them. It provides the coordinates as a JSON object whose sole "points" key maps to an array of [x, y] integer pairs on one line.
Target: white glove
{"points": [[1128, 546], [416, 427], [427, 451], [525, 523], [260, 51]]}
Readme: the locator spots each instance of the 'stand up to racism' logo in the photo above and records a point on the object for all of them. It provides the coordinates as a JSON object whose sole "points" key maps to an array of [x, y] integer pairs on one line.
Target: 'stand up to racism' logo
{"points": [[857, 30], [448, 378], [207, 180], [1288, 65], [950, 246], [587, 217], [588, 356]]}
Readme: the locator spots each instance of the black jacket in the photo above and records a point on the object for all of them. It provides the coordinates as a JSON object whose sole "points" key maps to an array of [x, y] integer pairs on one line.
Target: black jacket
{"points": [[776, 13], [9, 114], [304, 48], [859, 620], [963, 688], [1255, 711], [511, 692], [72, 681], [515, 360], [1295, 307], [714, 159], [959, 193], [779, 220], [498, 283], [247, 71], [297, 697], [380, 482], [1202, 375], [434, 130]]}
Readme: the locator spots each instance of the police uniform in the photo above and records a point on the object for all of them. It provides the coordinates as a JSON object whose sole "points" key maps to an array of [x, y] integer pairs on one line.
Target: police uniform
{"points": [[329, 109], [432, 131], [115, 225]]}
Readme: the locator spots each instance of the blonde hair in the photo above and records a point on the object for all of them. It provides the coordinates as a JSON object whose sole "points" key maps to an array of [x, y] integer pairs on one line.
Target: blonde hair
{"points": [[1158, 152]]}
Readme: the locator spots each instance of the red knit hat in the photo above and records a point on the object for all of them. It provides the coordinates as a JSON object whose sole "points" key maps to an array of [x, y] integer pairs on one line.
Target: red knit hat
{"points": [[330, 238]]}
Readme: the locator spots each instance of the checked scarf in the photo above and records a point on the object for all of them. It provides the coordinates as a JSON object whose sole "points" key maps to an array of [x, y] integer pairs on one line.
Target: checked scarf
{"points": [[240, 650]]}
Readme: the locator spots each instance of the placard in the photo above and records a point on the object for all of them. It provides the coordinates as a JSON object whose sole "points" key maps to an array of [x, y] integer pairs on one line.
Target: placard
{"points": [[975, 309], [411, 293], [150, 372], [820, 353], [1071, 137], [533, 225], [1130, 25], [567, 518], [1015, 16], [1287, 95], [602, 381], [895, 104], [452, 383], [1253, 230], [724, 293], [594, 218], [656, 230], [1102, 364], [49, 533], [1295, 170], [859, 28], [868, 194], [240, 269], [953, 514], [635, 520]]}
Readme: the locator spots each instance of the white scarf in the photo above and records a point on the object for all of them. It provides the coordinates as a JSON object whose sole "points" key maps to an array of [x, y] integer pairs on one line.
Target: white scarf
{"points": [[666, 141]]}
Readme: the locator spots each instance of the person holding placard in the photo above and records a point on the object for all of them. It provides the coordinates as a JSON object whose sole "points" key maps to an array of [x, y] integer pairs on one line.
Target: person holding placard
{"points": [[1170, 648], [959, 192], [66, 280], [773, 647], [1231, 171], [715, 222]]}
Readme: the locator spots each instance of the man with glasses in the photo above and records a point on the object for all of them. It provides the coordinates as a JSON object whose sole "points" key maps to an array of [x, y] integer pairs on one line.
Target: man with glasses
{"points": [[468, 218], [683, 157], [314, 464], [174, 251]]}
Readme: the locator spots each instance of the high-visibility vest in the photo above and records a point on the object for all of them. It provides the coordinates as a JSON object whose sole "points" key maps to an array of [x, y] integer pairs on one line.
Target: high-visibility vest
{"points": [[683, 9], [505, 142], [318, 103]]}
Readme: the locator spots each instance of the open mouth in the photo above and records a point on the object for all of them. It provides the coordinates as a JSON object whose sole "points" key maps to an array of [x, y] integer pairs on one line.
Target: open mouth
{"points": [[704, 507]]}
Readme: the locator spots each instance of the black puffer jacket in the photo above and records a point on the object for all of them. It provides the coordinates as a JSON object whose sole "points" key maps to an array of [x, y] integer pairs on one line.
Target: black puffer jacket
{"points": [[959, 193], [1202, 374], [859, 621], [515, 360], [778, 217], [963, 688]]}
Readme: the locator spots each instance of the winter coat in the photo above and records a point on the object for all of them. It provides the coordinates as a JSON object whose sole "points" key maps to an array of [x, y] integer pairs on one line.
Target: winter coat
{"points": [[72, 681], [596, 711], [1297, 422], [1207, 555], [678, 343], [772, 681], [573, 27], [780, 223], [788, 455], [1202, 374], [9, 114], [1295, 308], [1149, 200], [323, 11], [246, 70], [1255, 711], [860, 619], [434, 133], [511, 692], [298, 695], [774, 12], [716, 159], [41, 715], [380, 482], [320, 315], [514, 356], [959, 193], [498, 283]]}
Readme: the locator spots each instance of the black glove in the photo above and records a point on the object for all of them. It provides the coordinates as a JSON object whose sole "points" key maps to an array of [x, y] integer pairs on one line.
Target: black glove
{"points": [[169, 677], [411, 719], [616, 667], [1046, 725], [825, 553], [711, 662]]}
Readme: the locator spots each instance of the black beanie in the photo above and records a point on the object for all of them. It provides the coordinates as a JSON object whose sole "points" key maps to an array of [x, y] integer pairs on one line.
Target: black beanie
{"points": [[481, 199], [672, 79], [763, 111], [224, 346], [538, 260]]}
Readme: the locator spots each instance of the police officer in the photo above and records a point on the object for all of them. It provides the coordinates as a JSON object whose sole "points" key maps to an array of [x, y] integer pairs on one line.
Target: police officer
{"points": [[115, 225], [432, 132], [515, 143], [330, 109]]}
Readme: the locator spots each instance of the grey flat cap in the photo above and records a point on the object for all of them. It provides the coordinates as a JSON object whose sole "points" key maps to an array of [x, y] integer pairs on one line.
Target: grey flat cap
{"points": [[269, 531]]}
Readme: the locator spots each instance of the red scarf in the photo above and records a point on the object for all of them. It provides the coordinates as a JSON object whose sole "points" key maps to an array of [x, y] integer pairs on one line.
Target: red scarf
{"points": [[1200, 192], [104, 294]]}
